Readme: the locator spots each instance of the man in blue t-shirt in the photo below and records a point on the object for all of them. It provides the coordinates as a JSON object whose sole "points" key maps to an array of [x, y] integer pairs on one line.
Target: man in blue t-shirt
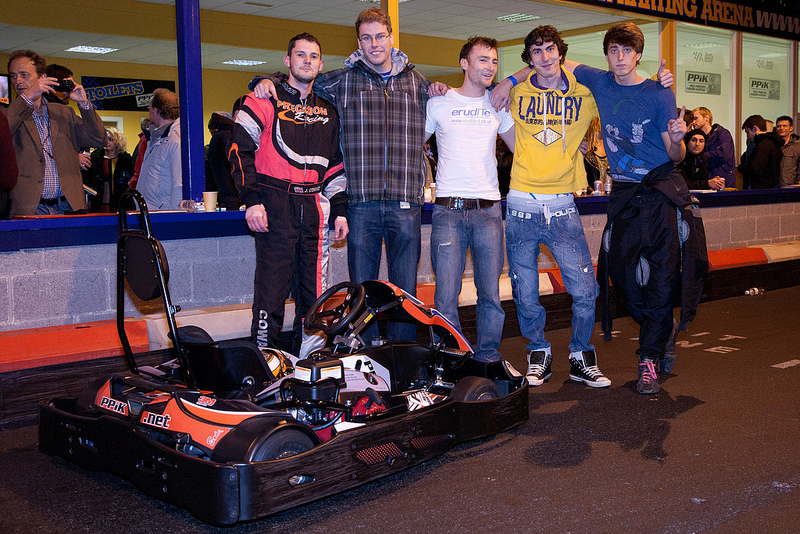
{"points": [[650, 262]]}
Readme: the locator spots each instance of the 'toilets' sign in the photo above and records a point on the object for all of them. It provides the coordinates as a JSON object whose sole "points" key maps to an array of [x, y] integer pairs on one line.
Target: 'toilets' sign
{"points": [[122, 94]]}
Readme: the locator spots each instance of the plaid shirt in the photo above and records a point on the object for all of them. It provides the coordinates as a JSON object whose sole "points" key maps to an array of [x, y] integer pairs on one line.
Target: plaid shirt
{"points": [[52, 188], [383, 127]]}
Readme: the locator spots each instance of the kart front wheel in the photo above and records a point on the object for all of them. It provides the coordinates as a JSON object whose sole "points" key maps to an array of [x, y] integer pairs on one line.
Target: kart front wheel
{"points": [[474, 388], [281, 444]]}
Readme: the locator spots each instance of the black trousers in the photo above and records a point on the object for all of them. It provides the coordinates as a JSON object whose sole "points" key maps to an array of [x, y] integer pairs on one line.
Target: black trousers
{"points": [[291, 256], [644, 264]]}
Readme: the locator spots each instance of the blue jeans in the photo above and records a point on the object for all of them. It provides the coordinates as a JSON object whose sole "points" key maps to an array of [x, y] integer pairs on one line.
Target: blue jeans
{"points": [[56, 209], [527, 226], [481, 230], [370, 224]]}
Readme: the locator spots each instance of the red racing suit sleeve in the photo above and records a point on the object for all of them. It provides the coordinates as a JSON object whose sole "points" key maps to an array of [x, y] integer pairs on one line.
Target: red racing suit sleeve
{"points": [[244, 142]]}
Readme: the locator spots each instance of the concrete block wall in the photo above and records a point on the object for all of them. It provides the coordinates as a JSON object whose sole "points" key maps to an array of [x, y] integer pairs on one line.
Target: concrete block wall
{"points": [[56, 286]]}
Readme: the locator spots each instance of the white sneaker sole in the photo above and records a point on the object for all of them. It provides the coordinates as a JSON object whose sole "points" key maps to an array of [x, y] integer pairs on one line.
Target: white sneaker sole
{"points": [[537, 381], [592, 383]]}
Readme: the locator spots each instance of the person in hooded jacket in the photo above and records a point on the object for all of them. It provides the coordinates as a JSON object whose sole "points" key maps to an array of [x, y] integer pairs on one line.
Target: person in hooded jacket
{"points": [[220, 125], [694, 166], [761, 163]]}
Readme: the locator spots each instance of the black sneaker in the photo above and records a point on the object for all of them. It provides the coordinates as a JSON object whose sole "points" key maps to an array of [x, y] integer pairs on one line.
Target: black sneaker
{"points": [[648, 380], [583, 368], [539, 367]]}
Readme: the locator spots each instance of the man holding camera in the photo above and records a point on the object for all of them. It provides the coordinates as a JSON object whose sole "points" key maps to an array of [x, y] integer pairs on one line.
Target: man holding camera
{"points": [[47, 139]]}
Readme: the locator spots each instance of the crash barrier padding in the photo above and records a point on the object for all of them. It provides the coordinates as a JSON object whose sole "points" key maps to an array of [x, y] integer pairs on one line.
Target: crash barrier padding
{"points": [[25, 349], [736, 257], [51, 345]]}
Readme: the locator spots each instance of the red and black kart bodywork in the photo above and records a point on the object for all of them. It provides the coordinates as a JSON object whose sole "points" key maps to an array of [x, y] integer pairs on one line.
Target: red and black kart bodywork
{"points": [[235, 445]]}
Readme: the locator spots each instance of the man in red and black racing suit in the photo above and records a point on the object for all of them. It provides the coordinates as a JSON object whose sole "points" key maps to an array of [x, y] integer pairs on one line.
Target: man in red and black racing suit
{"points": [[287, 164]]}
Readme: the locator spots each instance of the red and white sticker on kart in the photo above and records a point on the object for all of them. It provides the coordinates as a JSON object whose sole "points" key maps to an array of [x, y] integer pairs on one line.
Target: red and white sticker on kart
{"points": [[420, 399]]}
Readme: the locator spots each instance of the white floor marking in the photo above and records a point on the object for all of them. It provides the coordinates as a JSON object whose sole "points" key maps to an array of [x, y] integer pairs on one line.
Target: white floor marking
{"points": [[785, 365]]}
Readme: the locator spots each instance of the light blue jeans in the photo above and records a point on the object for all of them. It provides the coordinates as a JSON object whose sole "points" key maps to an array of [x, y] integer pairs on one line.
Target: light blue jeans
{"points": [[557, 224], [452, 231], [370, 224], [57, 209]]}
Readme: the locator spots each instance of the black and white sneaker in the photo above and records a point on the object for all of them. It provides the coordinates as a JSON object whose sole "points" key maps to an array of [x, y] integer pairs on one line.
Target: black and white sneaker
{"points": [[583, 368], [539, 367]]}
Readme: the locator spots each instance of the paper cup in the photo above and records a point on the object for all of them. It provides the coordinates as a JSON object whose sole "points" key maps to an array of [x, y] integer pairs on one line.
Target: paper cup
{"points": [[210, 200]]}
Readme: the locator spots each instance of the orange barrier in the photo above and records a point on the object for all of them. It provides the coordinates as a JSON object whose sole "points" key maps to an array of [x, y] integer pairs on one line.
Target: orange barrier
{"points": [[37, 347], [736, 257]]}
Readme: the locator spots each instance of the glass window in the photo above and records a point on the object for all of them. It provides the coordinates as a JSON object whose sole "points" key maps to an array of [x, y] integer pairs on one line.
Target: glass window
{"points": [[704, 75], [765, 82]]}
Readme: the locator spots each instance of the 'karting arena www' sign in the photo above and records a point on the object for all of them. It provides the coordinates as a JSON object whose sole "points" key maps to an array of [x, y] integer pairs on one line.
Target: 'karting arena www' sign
{"points": [[122, 94], [765, 17]]}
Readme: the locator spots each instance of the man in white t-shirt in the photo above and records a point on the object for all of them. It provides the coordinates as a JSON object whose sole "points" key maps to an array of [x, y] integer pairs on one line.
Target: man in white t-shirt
{"points": [[467, 211]]}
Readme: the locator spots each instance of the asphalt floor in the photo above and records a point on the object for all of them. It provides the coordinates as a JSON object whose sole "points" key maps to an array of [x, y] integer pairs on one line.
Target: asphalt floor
{"points": [[716, 451]]}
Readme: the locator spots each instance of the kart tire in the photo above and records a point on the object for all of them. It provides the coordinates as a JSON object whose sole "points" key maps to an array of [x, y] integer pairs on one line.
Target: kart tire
{"points": [[282, 444], [474, 388]]}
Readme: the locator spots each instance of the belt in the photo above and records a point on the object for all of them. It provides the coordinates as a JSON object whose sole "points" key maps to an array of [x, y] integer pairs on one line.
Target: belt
{"points": [[290, 187], [52, 201], [458, 203]]}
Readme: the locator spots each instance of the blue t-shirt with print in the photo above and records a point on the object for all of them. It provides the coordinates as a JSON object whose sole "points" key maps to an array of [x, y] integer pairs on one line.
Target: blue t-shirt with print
{"points": [[633, 118]]}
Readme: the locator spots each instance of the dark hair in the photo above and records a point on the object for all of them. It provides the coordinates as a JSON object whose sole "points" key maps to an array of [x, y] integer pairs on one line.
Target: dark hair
{"points": [[60, 72], [785, 118], [755, 120], [373, 14], [624, 34], [472, 42], [38, 61], [305, 36], [541, 35], [165, 103]]}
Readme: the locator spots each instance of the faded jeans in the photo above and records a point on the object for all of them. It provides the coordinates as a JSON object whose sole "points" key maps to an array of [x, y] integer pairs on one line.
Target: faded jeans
{"points": [[453, 230], [557, 224]]}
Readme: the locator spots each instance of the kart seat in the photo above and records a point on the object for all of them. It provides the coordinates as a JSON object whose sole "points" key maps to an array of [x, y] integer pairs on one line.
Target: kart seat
{"points": [[223, 367]]}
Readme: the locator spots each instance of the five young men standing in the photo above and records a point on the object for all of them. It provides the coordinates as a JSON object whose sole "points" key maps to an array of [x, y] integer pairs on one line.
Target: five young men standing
{"points": [[382, 102]]}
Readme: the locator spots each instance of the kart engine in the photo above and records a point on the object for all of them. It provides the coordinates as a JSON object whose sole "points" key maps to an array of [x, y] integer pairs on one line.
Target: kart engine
{"points": [[317, 380]]}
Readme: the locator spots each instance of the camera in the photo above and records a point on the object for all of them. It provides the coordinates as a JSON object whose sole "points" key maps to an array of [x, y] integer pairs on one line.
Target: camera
{"points": [[64, 86]]}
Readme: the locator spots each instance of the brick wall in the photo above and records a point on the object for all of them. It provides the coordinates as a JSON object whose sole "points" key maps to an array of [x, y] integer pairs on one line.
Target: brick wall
{"points": [[55, 286]]}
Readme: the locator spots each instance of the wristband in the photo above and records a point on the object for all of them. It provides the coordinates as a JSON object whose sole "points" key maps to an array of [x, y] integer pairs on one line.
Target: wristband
{"points": [[513, 80]]}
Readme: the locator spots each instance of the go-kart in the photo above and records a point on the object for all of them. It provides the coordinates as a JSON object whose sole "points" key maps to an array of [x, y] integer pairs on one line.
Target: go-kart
{"points": [[232, 432]]}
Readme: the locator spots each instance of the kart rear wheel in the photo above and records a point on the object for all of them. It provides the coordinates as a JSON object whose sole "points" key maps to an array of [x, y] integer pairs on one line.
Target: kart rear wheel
{"points": [[474, 388], [281, 444]]}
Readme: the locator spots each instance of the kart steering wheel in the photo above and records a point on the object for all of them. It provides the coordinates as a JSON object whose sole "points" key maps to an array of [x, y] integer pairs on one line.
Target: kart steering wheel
{"points": [[335, 320]]}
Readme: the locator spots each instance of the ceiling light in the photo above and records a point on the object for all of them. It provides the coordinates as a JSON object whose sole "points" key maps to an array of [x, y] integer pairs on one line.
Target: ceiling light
{"points": [[518, 17], [703, 45], [243, 62], [379, 1], [772, 55], [257, 4], [91, 49]]}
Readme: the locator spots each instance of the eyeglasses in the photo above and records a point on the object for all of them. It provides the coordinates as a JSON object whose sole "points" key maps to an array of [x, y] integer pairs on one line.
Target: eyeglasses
{"points": [[367, 39]]}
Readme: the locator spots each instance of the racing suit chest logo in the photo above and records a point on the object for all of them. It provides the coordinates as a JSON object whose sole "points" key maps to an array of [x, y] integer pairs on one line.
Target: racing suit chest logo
{"points": [[301, 113]]}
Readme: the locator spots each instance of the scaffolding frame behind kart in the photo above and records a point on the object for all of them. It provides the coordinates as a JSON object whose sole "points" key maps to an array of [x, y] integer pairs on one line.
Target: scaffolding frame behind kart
{"points": [[226, 367]]}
